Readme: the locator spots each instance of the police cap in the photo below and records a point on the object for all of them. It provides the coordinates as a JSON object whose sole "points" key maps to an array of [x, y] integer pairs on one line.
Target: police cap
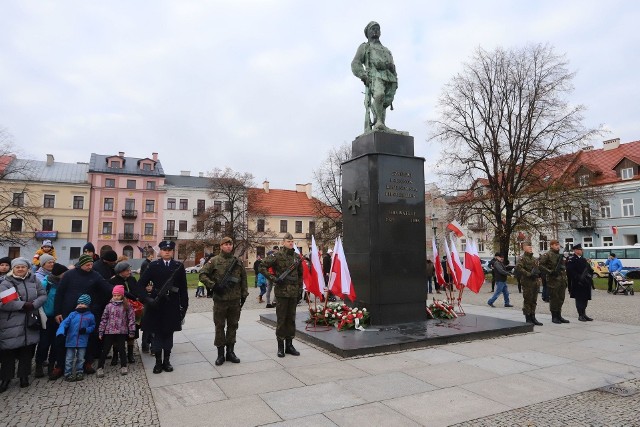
{"points": [[167, 245]]}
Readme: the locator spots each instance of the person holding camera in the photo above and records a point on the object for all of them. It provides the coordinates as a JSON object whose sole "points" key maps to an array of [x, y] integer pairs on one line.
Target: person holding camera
{"points": [[528, 273]]}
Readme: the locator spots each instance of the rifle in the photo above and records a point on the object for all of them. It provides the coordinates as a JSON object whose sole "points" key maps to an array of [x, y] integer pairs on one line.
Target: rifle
{"points": [[292, 267], [167, 287], [223, 286]]}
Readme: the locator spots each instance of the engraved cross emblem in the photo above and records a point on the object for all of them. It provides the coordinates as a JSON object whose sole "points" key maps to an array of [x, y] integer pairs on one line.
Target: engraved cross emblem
{"points": [[354, 203]]}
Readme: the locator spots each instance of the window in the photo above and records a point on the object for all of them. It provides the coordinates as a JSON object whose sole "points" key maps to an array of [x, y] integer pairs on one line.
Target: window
{"points": [[626, 173], [146, 166], [131, 184], [607, 240], [261, 225], [151, 185], [260, 251], [14, 252], [568, 243], [110, 183], [74, 252], [312, 227], [16, 224], [49, 200], [78, 202], [201, 207], [605, 209], [480, 244], [543, 243], [18, 199], [148, 229], [115, 164], [171, 204], [150, 206], [227, 206], [76, 226], [627, 207], [47, 225], [583, 180], [566, 216], [217, 226], [283, 225], [129, 204], [108, 204], [107, 228], [200, 226], [184, 204], [463, 245], [298, 226], [217, 206], [587, 242], [182, 225], [128, 228], [171, 225], [586, 216]]}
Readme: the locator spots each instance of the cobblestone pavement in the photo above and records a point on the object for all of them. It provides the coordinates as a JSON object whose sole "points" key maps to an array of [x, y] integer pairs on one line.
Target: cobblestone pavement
{"points": [[591, 408]]}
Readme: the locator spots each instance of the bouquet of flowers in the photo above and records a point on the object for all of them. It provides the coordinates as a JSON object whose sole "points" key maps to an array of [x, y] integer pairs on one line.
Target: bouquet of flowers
{"points": [[339, 315], [441, 310]]}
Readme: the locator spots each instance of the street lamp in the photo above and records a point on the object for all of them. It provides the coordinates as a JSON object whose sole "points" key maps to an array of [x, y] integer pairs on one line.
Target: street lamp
{"points": [[434, 226]]}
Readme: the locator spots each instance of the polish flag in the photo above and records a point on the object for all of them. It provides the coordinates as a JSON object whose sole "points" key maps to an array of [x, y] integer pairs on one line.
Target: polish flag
{"points": [[461, 272], [614, 230], [437, 264], [456, 228], [472, 261], [306, 274], [340, 279], [452, 271], [315, 283], [9, 295]]}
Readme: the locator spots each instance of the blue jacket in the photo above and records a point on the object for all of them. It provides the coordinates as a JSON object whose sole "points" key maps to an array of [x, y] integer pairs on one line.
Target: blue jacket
{"points": [[71, 325], [261, 279], [613, 264]]}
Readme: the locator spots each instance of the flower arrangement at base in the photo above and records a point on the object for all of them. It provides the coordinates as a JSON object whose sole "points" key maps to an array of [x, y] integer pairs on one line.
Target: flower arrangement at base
{"points": [[339, 315], [441, 310]]}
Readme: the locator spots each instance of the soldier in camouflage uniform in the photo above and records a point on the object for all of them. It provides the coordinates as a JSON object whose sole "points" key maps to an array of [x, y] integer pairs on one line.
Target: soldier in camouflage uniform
{"points": [[287, 292], [528, 273], [226, 303], [552, 265]]}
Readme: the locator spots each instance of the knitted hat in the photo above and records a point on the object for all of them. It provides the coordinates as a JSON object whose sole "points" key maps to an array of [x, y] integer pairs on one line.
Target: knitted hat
{"points": [[47, 243], [84, 259], [118, 290], [58, 269], [110, 256], [84, 299], [20, 261], [89, 247], [122, 266], [45, 258], [5, 260]]}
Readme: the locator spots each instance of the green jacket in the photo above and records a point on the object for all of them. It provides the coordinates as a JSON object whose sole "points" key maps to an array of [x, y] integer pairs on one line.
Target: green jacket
{"points": [[524, 266], [552, 265], [281, 261], [213, 272]]}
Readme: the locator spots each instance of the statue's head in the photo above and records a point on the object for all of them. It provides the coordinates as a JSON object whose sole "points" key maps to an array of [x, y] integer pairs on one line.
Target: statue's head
{"points": [[370, 26]]}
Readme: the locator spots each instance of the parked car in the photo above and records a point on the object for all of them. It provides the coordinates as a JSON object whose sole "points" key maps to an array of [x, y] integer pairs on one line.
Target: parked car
{"points": [[485, 265], [599, 269], [194, 269]]}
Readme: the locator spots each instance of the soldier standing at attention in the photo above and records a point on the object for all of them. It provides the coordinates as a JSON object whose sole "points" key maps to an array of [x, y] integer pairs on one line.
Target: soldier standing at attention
{"points": [[287, 280], [167, 304], [225, 275], [528, 272], [552, 265]]}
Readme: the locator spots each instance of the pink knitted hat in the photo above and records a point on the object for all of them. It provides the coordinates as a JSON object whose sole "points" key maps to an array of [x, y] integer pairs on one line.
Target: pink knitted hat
{"points": [[118, 290]]}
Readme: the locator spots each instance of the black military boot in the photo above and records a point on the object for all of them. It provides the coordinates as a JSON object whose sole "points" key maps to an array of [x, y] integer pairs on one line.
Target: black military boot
{"points": [[39, 371], [220, 359], [280, 348], [166, 364], [555, 318], [562, 319], [584, 313], [158, 366], [231, 356], [535, 321], [527, 318], [4, 385], [290, 349]]}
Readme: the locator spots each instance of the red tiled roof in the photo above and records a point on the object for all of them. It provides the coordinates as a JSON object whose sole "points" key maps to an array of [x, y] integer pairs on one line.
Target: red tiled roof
{"points": [[283, 203], [5, 160], [602, 162]]}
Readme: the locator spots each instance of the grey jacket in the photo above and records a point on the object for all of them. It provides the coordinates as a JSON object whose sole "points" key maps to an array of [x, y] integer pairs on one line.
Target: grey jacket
{"points": [[13, 321]]}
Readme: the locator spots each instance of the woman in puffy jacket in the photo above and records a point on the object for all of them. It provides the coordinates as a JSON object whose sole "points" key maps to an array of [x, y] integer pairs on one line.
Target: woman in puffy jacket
{"points": [[21, 295]]}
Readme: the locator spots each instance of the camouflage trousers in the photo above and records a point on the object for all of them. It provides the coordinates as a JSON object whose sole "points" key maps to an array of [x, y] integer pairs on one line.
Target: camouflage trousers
{"points": [[286, 315], [556, 297], [530, 295], [226, 312]]}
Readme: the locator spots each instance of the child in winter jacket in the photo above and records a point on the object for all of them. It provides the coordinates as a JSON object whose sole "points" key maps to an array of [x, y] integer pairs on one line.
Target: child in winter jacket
{"points": [[77, 327], [46, 248], [118, 322], [262, 284]]}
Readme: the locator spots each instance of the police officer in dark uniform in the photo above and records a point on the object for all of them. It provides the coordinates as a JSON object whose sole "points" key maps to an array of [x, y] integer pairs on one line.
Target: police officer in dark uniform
{"points": [[166, 306], [286, 262], [228, 298], [580, 281]]}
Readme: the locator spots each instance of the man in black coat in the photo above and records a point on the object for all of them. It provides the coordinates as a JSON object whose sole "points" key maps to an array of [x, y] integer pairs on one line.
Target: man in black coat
{"points": [[580, 281], [106, 263], [164, 310]]}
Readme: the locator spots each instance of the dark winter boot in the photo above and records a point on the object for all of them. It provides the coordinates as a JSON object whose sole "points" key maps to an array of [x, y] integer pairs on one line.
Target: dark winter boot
{"points": [[166, 364], [562, 319], [130, 357], [231, 356], [39, 371], [555, 317], [220, 360], [584, 313], [157, 368], [535, 321], [527, 318], [280, 348], [290, 349]]}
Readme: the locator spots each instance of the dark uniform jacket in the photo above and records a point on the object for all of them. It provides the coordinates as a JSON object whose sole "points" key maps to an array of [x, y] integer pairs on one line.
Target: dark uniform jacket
{"points": [[76, 282], [165, 316], [213, 272], [281, 261], [552, 265], [580, 278], [526, 267]]}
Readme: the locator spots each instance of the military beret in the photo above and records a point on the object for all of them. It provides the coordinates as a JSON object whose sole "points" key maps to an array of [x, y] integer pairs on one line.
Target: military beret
{"points": [[369, 25], [167, 244], [527, 243], [226, 240], [287, 236]]}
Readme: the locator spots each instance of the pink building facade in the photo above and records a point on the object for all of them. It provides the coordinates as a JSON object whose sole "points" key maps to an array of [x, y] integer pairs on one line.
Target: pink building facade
{"points": [[127, 195]]}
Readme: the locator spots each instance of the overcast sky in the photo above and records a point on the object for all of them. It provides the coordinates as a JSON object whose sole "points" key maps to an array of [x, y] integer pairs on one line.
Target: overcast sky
{"points": [[265, 86]]}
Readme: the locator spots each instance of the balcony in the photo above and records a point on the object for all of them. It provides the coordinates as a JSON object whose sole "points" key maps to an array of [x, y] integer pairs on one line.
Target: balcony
{"points": [[582, 225], [128, 237], [129, 213], [170, 234], [198, 212], [477, 226], [48, 235]]}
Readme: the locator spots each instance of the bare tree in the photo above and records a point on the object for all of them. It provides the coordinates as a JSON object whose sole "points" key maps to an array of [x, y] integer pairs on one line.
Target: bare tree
{"points": [[18, 209], [328, 201], [507, 123]]}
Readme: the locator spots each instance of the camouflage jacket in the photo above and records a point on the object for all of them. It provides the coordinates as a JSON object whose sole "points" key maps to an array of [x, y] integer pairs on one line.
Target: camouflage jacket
{"points": [[213, 272], [524, 266], [552, 265], [281, 261]]}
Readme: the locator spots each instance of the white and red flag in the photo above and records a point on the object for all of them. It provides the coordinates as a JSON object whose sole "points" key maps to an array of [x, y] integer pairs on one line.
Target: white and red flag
{"points": [[456, 228], [437, 264], [340, 279], [462, 274], [9, 295], [452, 272], [472, 261], [315, 283]]}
